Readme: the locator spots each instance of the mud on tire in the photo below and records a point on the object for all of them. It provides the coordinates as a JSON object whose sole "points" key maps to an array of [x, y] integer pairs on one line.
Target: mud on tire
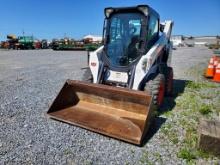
{"points": [[157, 89]]}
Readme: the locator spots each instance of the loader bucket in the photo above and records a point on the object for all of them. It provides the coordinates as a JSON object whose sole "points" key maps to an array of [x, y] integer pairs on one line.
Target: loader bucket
{"points": [[116, 112]]}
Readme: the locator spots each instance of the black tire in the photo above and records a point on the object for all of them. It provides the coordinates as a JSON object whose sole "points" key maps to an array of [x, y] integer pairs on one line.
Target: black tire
{"points": [[168, 73], [87, 76], [169, 81], [157, 89]]}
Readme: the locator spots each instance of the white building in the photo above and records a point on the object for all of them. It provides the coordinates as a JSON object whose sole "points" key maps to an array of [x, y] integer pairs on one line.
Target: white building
{"points": [[93, 38], [200, 43], [177, 40]]}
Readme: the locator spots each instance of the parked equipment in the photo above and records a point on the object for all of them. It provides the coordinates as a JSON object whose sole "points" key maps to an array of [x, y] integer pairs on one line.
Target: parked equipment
{"points": [[54, 44], [26, 42], [5, 45], [12, 41], [70, 44], [44, 44], [130, 75], [11, 36], [67, 44], [37, 44]]}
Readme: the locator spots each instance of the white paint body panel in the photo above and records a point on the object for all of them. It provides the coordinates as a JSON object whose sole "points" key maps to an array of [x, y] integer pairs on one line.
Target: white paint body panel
{"points": [[93, 58]]}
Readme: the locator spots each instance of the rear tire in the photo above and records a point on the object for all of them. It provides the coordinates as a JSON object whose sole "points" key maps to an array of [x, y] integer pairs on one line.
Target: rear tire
{"points": [[157, 89], [169, 81]]}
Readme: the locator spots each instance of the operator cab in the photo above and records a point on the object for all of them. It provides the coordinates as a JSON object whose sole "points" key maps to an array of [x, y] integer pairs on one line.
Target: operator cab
{"points": [[129, 33]]}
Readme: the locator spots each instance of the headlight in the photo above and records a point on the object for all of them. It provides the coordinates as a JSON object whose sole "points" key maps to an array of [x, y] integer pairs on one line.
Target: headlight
{"points": [[108, 12], [143, 9]]}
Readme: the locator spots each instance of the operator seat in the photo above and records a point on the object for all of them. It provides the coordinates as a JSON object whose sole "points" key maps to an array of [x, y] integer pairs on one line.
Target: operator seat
{"points": [[133, 47]]}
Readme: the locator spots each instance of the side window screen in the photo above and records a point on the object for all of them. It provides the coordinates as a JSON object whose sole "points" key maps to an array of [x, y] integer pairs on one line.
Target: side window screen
{"points": [[153, 27]]}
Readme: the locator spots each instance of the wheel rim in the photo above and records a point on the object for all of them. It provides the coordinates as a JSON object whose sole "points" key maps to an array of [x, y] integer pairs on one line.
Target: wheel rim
{"points": [[161, 94]]}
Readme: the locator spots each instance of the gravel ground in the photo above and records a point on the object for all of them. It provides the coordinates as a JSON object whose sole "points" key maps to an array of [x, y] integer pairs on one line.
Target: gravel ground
{"points": [[30, 80], [185, 58]]}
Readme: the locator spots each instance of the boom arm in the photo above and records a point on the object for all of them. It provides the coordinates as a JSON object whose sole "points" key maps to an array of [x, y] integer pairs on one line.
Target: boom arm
{"points": [[167, 28]]}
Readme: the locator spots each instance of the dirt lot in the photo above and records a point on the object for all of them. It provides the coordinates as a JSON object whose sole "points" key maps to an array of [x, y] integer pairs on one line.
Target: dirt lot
{"points": [[30, 80]]}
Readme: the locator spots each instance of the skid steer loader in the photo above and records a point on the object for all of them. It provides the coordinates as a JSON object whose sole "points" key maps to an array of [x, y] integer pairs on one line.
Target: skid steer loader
{"points": [[130, 76]]}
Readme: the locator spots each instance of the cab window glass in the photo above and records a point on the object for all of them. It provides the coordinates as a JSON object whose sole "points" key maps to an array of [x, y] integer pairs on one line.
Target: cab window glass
{"points": [[152, 27], [124, 38]]}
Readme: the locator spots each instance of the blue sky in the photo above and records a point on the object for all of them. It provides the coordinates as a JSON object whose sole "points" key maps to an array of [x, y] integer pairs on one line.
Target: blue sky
{"points": [[76, 18]]}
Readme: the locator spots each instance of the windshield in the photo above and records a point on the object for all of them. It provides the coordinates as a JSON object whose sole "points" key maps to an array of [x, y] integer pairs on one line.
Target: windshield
{"points": [[123, 39]]}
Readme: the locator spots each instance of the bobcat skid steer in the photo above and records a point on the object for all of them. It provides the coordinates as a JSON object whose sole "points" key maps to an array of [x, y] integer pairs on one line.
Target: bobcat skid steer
{"points": [[130, 75]]}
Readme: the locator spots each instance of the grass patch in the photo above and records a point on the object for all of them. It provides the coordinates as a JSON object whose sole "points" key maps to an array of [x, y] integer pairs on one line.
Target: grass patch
{"points": [[132, 151], [165, 129], [158, 157], [67, 151], [194, 85], [207, 95], [174, 139], [170, 133], [191, 137], [168, 113], [200, 85], [205, 109], [145, 159], [217, 93], [186, 154], [191, 154], [203, 154], [188, 101]]}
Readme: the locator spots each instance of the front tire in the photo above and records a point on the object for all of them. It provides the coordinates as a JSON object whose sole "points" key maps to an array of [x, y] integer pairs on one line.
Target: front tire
{"points": [[87, 76], [157, 89]]}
